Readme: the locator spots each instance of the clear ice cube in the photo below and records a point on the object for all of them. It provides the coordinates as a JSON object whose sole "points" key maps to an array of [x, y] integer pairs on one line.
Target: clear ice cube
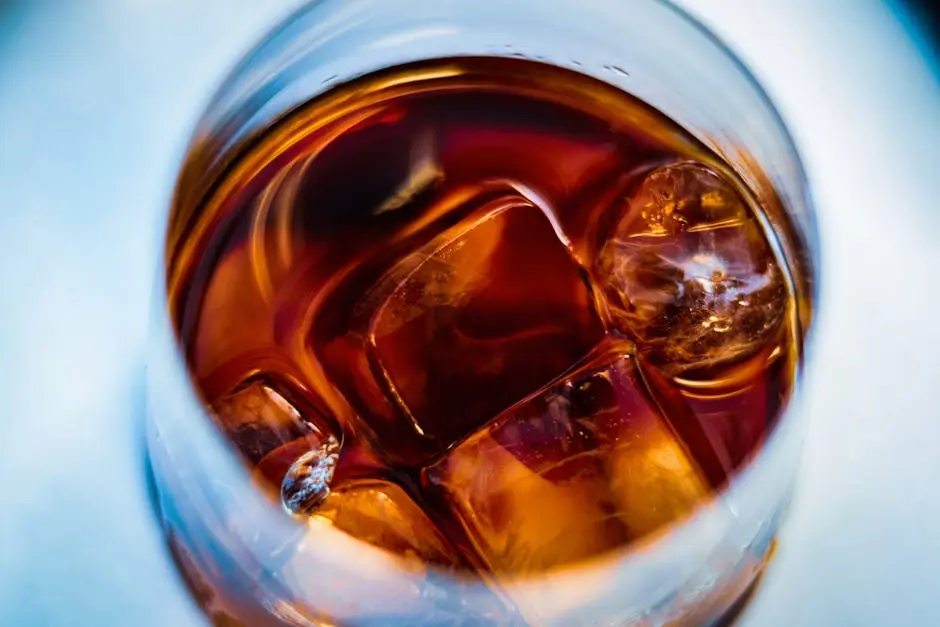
{"points": [[289, 444], [381, 513], [654, 479], [689, 272], [486, 312], [579, 468], [259, 418]]}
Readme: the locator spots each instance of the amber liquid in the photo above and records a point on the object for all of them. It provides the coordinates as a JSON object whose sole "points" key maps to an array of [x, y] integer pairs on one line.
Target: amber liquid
{"points": [[487, 314]]}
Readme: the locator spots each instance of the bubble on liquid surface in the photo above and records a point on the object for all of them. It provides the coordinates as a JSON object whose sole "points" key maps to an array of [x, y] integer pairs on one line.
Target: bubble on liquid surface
{"points": [[689, 272], [307, 482]]}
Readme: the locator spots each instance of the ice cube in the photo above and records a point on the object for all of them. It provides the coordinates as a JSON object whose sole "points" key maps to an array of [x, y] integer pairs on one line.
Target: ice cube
{"points": [[258, 417], [479, 317], [520, 521], [689, 272], [289, 443], [381, 513], [654, 480], [581, 467]]}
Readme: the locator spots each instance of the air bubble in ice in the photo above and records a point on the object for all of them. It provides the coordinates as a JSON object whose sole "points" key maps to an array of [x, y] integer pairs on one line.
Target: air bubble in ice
{"points": [[307, 482]]}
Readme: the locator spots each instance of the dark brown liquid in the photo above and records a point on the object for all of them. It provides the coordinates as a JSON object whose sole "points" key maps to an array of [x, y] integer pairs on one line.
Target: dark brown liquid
{"points": [[487, 314]]}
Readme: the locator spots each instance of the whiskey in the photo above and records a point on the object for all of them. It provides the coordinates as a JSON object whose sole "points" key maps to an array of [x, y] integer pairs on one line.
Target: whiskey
{"points": [[487, 314]]}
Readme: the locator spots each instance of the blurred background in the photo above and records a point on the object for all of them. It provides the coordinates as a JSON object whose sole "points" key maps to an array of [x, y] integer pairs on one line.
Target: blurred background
{"points": [[96, 102]]}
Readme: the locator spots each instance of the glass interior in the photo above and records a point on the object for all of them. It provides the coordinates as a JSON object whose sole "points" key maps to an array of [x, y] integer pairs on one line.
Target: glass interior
{"points": [[247, 557]]}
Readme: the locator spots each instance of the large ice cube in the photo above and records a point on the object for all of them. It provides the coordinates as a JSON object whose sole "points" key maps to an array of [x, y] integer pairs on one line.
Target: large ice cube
{"points": [[689, 272], [519, 520], [382, 514], [581, 467], [470, 323]]}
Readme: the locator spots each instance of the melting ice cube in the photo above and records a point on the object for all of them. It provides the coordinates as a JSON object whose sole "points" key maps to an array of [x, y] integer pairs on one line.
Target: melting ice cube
{"points": [[689, 271]]}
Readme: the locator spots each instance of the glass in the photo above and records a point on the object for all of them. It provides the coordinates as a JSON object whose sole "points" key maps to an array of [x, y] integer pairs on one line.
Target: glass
{"points": [[248, 562]]}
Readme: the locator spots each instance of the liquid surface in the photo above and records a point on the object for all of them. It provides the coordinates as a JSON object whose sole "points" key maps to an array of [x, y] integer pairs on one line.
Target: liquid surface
{"points": [[486, 314]]}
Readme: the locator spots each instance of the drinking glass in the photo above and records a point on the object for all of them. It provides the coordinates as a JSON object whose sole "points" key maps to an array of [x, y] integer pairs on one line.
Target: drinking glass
{"points": [[247, 562]]}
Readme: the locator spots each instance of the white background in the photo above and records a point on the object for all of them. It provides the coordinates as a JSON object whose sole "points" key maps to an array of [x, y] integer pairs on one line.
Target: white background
{"points": [[96, 100]]}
